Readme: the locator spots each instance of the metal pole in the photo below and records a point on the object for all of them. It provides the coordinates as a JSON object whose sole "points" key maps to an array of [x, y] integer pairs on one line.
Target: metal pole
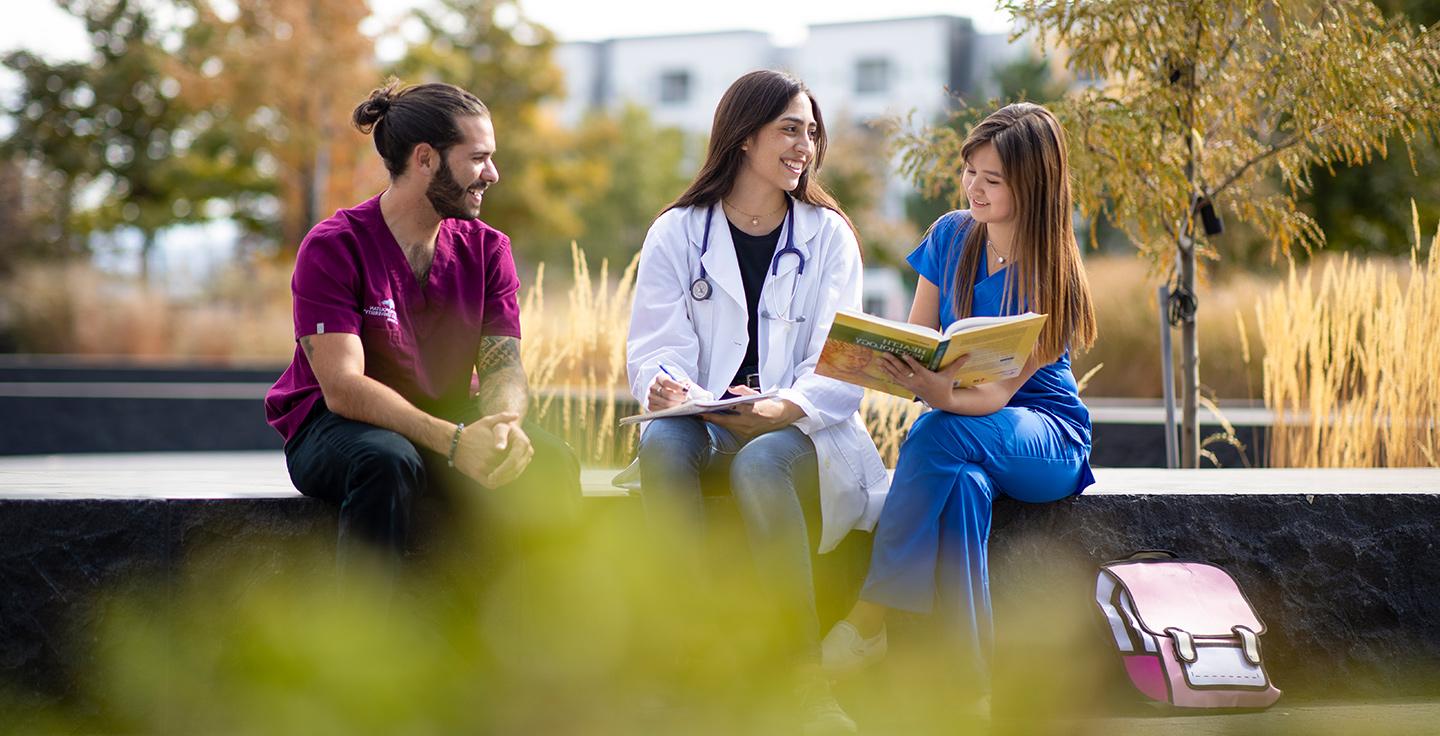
{"points": [[1167, 373]]}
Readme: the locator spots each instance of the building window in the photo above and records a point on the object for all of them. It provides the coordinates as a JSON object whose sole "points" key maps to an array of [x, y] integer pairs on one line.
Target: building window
{"points": [[872, 76], [674, 87]]}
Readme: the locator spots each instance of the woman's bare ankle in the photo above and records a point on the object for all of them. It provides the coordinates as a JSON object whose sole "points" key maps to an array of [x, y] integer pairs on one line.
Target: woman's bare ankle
{"points": [[867, 618]]}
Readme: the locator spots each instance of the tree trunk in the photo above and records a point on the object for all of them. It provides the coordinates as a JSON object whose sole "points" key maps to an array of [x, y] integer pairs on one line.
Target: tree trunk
{"points": [[1189, 362], [147, 245]]}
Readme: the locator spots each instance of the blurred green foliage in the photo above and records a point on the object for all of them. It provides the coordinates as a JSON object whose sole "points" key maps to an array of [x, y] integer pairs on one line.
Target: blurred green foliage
{"points": [[594, 632]]}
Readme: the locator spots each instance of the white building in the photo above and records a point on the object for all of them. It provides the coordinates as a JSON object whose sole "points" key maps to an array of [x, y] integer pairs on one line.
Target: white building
{"points": [[869, 69], [860, 69], [679, 79]]}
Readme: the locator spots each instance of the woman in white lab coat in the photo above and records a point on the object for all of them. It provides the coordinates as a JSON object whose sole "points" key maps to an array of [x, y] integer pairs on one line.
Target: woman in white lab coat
{"points": [[739, 281]]}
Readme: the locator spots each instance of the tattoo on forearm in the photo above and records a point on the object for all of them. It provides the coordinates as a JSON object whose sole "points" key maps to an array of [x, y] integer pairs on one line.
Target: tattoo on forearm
{"points": [[497, 353], [309, 349], [503, 386]]}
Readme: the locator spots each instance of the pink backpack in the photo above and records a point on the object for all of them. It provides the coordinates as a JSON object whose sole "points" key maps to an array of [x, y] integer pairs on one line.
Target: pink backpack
{"points": [[1186, 634]]}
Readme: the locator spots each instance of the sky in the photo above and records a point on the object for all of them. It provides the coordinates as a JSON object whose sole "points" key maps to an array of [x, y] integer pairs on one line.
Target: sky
{"points": [[40, 26]]}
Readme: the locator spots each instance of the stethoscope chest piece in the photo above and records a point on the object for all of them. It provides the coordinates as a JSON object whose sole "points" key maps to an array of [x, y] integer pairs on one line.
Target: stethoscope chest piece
{"points": [[700, 289]]}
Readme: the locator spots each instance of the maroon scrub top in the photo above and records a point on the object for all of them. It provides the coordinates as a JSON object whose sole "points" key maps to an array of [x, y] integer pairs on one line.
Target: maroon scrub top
{"points": [[420, 339]]}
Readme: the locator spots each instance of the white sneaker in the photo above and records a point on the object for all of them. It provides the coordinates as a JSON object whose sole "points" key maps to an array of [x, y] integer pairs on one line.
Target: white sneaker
{"points": [[844, 650], [820, 711]]}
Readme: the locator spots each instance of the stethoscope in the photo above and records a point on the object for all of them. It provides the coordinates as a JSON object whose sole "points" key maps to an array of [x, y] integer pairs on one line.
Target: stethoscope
{"points": [[701, 289]]}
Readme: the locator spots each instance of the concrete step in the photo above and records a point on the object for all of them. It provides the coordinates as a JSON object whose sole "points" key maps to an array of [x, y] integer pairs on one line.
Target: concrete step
{"points": [[1338, 563]]}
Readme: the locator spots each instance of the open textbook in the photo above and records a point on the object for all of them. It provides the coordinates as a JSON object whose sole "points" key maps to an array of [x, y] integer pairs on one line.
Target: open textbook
{"points": [[998, 348], [698, 407]]}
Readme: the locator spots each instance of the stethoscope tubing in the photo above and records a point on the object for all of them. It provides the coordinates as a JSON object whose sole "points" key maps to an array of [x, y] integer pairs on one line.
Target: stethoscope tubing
{"points": [[700, 288]]}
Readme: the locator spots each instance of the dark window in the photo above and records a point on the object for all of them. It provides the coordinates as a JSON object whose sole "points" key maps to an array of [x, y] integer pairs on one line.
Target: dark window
{"points": [[872, 76], [674, 87]]}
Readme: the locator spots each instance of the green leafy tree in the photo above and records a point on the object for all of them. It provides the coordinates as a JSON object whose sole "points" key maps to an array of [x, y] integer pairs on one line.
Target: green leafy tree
{"points": [[1366, 208], [51, 136], [30, 227], [105, 125], [117, 143], [638, 168], [1201, 101]]}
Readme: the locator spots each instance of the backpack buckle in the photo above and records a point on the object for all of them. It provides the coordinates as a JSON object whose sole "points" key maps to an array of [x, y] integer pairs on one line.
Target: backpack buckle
{"points": [[1184, 645]]}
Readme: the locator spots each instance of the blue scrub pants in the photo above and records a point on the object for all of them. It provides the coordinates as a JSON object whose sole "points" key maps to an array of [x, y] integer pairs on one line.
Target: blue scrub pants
{"points": [[775, 481], [931, 540]]}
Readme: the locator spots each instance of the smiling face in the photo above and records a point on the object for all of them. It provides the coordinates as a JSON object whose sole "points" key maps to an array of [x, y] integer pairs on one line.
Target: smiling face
{"points": [[781, 150], [466, 170], [991, 200]]}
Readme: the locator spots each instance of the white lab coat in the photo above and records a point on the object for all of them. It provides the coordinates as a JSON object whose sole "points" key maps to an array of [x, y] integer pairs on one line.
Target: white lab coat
{"points": [[705, 341]]}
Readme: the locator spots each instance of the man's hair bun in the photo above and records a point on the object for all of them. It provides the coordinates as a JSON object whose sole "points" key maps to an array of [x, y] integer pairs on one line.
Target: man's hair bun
{"points": [[369, 112]]}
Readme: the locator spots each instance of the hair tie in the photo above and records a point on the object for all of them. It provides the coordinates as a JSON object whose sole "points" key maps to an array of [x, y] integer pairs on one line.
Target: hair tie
{"points": [[380, 104]]}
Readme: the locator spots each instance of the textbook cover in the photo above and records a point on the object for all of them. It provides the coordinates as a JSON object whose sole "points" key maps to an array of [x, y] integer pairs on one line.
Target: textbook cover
{"points": [[998, 348]]}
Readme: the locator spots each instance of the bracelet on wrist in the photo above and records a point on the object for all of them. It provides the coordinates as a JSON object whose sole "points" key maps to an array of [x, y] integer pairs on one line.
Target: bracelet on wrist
{"points": [[454, 443]]}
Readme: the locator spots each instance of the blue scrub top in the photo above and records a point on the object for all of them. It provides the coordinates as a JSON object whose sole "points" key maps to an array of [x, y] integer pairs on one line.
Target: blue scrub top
{"points": [[1052, 389]]}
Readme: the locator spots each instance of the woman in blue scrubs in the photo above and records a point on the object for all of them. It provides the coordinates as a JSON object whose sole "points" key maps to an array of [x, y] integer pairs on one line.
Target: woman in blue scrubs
{"points": [[1027, 437]]}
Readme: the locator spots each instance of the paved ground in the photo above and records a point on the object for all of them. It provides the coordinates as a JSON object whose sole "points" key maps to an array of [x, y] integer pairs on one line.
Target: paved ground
{"points": [[1416, 717]]}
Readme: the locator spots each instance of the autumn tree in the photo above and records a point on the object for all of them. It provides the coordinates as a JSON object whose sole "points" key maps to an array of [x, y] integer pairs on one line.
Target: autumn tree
{"points": [[277, 80], [1197, 104]]}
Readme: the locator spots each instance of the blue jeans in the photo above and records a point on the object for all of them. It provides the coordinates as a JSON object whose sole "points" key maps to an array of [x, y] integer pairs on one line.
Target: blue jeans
{"points": [[931, 543], [775, 481]]}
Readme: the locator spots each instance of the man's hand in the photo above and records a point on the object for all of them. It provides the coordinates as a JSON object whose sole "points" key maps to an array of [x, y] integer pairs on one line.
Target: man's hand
{"points": [[755, 419], [935, 388], [481, 451], [515, 444]]}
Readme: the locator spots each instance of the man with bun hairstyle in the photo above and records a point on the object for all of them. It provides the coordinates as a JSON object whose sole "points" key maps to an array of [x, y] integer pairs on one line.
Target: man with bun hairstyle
{"points": [[407, 373]]}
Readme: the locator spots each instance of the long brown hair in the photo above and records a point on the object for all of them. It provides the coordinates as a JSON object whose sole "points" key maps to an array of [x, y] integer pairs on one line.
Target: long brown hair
{"points": [[751, 102], [1047, 275]]}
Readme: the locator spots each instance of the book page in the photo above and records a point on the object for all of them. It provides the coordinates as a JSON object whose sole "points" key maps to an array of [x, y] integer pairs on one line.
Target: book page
{"points": [[699, 407], [970, 324], [996, 351]]}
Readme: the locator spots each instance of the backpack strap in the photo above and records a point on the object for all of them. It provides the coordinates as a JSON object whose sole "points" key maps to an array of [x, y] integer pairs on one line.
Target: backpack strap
{"points": [[1250, 642], [1184, 645], [1153, 554]]}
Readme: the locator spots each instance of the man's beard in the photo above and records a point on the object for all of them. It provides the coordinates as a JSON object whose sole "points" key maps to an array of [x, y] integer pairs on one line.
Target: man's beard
{"points": [[448, 197]]}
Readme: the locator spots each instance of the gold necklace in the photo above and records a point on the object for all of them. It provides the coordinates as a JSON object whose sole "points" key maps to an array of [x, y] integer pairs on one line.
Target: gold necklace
{"points": [[991, 247], [755, 219]]}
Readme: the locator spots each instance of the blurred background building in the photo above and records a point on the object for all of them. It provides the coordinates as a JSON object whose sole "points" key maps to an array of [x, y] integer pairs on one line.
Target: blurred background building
{"points": [[860, 71]]}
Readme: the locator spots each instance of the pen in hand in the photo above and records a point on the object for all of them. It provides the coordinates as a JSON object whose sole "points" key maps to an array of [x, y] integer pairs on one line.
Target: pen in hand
{"points": [[668, 391]]}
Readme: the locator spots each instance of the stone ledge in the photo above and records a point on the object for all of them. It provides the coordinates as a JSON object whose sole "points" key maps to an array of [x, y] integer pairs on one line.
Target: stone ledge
{"points": [[1337, 562]]}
